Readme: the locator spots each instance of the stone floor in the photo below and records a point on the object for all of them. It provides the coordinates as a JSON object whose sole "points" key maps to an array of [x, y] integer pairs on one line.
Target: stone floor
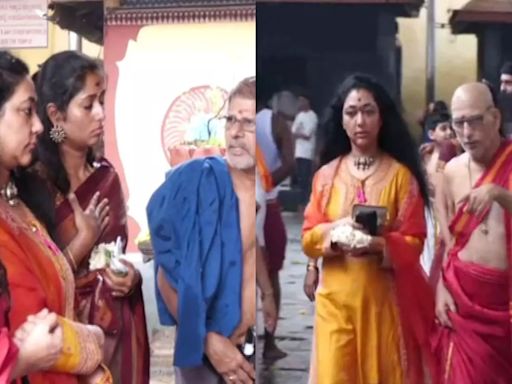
{"points": [[295, 326], [161, 357]]}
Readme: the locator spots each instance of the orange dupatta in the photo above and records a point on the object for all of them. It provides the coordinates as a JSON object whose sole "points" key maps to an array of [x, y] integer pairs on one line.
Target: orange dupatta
{"points": [[39, 277], [265, 174], [415, 298]]}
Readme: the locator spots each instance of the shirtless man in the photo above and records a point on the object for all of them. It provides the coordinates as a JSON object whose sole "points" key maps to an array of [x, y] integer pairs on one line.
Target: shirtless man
{"points": [[275, 140], [435, 155], [224, 361], [472, 301]]}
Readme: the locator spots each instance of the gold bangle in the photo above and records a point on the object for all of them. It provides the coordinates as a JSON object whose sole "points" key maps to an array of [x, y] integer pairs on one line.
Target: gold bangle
{"points": [[69, 257]]}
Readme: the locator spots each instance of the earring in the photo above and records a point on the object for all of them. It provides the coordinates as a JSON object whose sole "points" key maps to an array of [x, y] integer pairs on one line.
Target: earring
{"points": [[57, 134]]}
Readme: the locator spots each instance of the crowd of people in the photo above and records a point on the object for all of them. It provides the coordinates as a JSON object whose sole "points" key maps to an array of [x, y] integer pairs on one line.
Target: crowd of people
{"points": [[424, 294], [63, 322], [415, 289]]}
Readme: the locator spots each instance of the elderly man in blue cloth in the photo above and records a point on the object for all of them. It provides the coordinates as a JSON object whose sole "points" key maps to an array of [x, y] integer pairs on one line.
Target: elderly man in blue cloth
{"points": [[202, 225]]}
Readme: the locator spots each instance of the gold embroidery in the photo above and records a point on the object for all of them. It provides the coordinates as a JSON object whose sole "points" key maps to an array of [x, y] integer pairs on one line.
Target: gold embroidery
{"points": [[448, 364], [81, 353], [31, 226]]}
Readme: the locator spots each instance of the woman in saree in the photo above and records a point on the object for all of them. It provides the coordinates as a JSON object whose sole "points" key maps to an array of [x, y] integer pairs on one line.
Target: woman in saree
{"points": [[33, 348], [71, 89], [38, 275], [374, 307]]}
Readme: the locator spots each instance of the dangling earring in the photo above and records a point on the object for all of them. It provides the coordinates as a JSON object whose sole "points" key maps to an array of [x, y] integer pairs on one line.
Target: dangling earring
{"points": [[57, 134]]}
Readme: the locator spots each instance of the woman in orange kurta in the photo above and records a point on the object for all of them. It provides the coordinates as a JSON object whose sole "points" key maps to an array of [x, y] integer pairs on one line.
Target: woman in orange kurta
{"points": [[374, 307], [38, 274]]}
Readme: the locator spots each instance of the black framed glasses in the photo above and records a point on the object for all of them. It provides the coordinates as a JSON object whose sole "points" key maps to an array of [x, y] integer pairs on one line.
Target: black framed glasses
{"points": [[474, 122], [247, 124]]}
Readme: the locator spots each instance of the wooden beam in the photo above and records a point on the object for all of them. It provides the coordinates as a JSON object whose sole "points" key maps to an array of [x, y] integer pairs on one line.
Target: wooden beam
{"points": [[413, 2], [71, 2], [74, 1], [112, 3]]}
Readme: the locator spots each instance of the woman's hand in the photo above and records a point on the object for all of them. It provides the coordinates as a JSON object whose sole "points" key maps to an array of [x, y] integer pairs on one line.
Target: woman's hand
{"points": [[122, 285], [338, 247], [375, 245], [91, 222], [330, 248], [100, 376], [39, 341], [311, 283]]}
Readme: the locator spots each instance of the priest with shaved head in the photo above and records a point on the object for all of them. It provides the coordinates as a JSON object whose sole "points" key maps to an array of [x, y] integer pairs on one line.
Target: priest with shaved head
{"points": [[473, 298]]}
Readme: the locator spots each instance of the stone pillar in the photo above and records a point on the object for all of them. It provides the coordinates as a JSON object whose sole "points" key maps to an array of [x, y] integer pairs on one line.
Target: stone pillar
{"points": [[490, 54], [387, 51], [75, 41]]}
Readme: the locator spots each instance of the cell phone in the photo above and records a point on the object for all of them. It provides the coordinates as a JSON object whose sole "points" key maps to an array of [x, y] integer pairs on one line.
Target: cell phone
{"points": [[372, 217], [368, 220]]}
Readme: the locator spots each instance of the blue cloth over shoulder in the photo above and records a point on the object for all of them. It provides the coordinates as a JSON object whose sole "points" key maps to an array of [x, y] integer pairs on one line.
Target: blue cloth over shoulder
{"points": [[195, 232]]}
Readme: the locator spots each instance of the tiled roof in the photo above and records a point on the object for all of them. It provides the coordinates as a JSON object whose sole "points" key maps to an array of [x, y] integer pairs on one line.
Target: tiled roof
{"points": [[149, 4]]}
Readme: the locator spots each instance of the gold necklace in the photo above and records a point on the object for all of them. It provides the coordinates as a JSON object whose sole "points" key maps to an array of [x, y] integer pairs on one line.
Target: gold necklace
{"points": [[483, 227]]}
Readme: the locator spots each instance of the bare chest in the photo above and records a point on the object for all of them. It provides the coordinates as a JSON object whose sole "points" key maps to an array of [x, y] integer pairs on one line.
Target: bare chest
{"points": [[487, 243], [247, 211]]}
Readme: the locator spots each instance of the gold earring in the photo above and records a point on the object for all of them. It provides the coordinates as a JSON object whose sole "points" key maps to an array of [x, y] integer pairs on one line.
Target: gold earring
{"points": [[57, 134]]}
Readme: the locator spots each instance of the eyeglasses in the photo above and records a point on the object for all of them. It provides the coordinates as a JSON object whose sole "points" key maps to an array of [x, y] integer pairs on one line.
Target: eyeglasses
{"points": [[474, 122], [247, 125]]}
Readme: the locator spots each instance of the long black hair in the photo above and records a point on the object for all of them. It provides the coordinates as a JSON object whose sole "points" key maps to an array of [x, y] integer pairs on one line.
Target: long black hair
{"points": [[394, 136], [60, 79], [12, 72]]}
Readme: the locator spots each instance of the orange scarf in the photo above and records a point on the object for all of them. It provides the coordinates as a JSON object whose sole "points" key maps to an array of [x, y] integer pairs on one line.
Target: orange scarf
{"points": [[265, 174]]}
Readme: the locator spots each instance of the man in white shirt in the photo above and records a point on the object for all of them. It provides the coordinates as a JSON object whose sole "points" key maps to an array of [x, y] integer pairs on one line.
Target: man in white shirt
{"points": [[304, 132]]}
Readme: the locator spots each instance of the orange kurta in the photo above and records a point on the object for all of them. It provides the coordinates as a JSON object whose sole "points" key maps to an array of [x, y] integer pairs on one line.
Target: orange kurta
{"points": [[39, 277], [363, 331]]}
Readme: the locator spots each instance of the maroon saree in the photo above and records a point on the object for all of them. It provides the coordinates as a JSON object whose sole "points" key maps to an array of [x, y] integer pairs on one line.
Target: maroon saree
{"points": [[122, 319], [478, 348]]}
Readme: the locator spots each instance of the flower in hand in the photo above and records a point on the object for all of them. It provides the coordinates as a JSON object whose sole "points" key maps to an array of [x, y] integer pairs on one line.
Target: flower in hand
{"points": [[101, 256], [350, 239]]}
